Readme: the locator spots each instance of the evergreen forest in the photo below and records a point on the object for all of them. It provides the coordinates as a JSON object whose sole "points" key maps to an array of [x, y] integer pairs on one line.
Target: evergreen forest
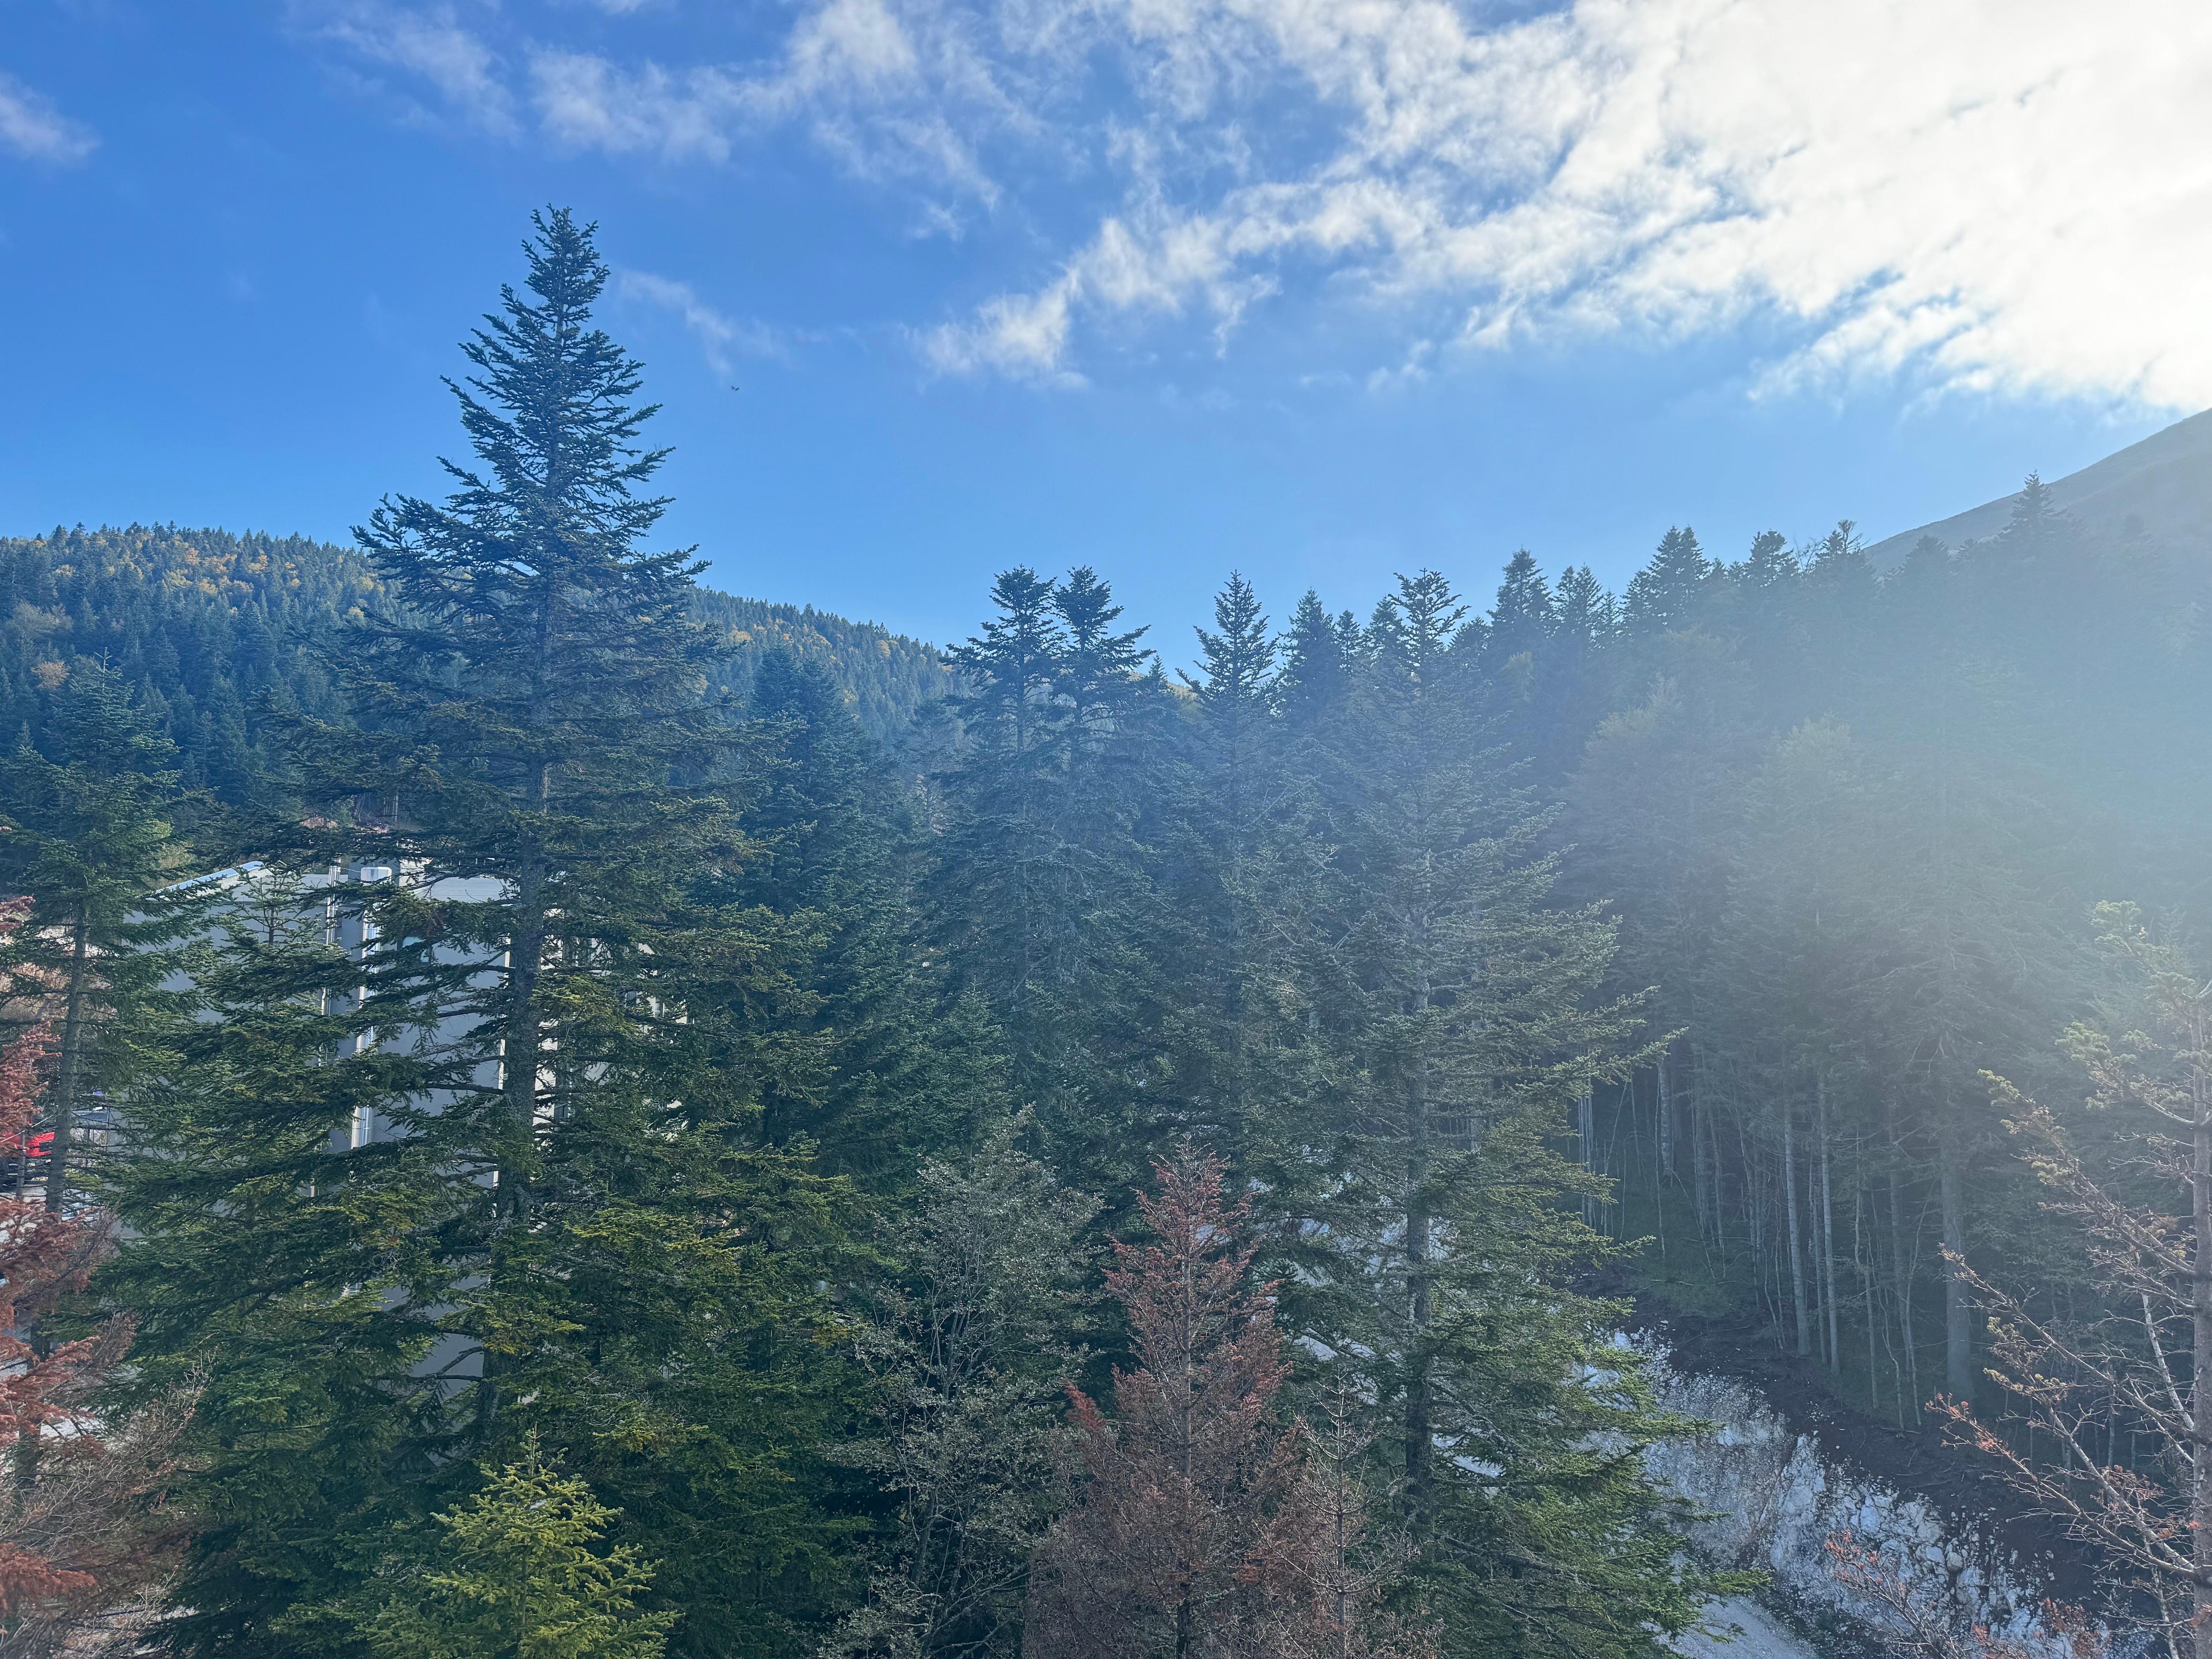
{"points": [[203, 626], [687, 1126]]}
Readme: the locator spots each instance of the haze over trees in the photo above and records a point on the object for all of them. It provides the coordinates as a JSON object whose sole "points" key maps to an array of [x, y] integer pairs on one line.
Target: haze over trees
{"points": [[657, 1157]]}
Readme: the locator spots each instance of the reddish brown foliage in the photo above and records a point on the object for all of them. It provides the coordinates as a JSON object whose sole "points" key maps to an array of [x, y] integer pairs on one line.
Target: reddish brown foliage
{"points": [[42, 1257], [81, 1533], [20, 1068], [1200, 1532]]}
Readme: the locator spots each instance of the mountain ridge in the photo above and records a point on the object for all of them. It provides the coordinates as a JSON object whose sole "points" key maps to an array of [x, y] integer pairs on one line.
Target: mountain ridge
{"points": [[2159, 488], [201, 624]]}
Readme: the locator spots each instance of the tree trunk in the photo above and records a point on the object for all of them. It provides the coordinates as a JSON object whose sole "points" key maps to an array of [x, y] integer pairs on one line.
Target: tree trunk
{"points": [[67, 1072], [1586, 1128], [1900, 1296], [1754, 1200], [1958, 1314], [1717, 1184], [1862, 1270], [1700, 1176], [1665, 1121], [519, 1053], [1421, 1434], [1901, 1265], [1804, 1315], [1828, 1232]]}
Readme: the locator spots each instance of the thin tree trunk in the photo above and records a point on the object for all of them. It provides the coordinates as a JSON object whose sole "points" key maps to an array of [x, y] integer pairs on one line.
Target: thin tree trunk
{"points": [[1796, 1245], [1623, 1113], [1420, 1446], [1754, 1204], [520, 1043], [1339, 1514], [1421, 1434], [1900, 1267], [1665, 1121], [519, 1039], [1861, 1269], [526, 956], [1958, 1313], [66, 1073], [1700, 1176], [1586, 1129], [1715, 1175], [1828, 1230]]}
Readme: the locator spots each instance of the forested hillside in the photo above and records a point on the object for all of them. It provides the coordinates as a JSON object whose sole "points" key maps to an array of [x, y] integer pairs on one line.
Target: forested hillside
{"points": [[1855, 827], [1159, 1170], [2158, 489], [202, 623]]}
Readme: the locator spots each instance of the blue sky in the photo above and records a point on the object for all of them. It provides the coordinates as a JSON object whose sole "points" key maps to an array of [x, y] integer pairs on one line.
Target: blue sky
{"points": [[1318, 290]]}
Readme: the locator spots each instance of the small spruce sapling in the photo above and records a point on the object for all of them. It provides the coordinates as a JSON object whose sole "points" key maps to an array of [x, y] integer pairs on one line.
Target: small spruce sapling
{"points": [[520, 1572]]}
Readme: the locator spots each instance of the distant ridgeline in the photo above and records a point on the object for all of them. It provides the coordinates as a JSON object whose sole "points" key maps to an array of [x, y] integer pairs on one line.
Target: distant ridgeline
{"points": [[202, 621], [884, 676]]}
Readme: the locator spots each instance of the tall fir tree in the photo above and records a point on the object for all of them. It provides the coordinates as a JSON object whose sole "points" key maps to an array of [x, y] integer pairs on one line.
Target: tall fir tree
{"points": [[1524, 617], [1223, 865], [1316, 672], [1045, 889], [865, 1059], [1670, 592], [473, 1146], [1586, 611], [1465, 1010], [1526, 659], [88, 834]]}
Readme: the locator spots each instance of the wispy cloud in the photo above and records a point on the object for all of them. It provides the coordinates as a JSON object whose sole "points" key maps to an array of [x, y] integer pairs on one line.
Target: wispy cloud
{"points": [[1022, 336], [2008, 194], [722, 339], [892, 96], [589, 103], [31, 126], [430, 44], [1155, 261], [2004, 194]]}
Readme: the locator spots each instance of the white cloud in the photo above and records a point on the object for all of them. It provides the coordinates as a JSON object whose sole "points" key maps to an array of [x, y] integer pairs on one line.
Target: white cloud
{"points": [[590, 103], [31, 126], [722, 339], [889, 100], [1024, 335], [1156, 263], [432, 45], [2013, 194], [2006, 194], [844, 45]]}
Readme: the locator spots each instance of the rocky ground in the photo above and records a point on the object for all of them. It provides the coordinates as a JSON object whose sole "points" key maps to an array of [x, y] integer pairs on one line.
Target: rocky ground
{"points": [[1787, 1468]]}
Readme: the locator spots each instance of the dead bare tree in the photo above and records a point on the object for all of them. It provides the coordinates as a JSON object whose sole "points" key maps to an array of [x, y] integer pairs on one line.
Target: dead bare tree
{"points": [[1917, 1619], [2145, 1351]]}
